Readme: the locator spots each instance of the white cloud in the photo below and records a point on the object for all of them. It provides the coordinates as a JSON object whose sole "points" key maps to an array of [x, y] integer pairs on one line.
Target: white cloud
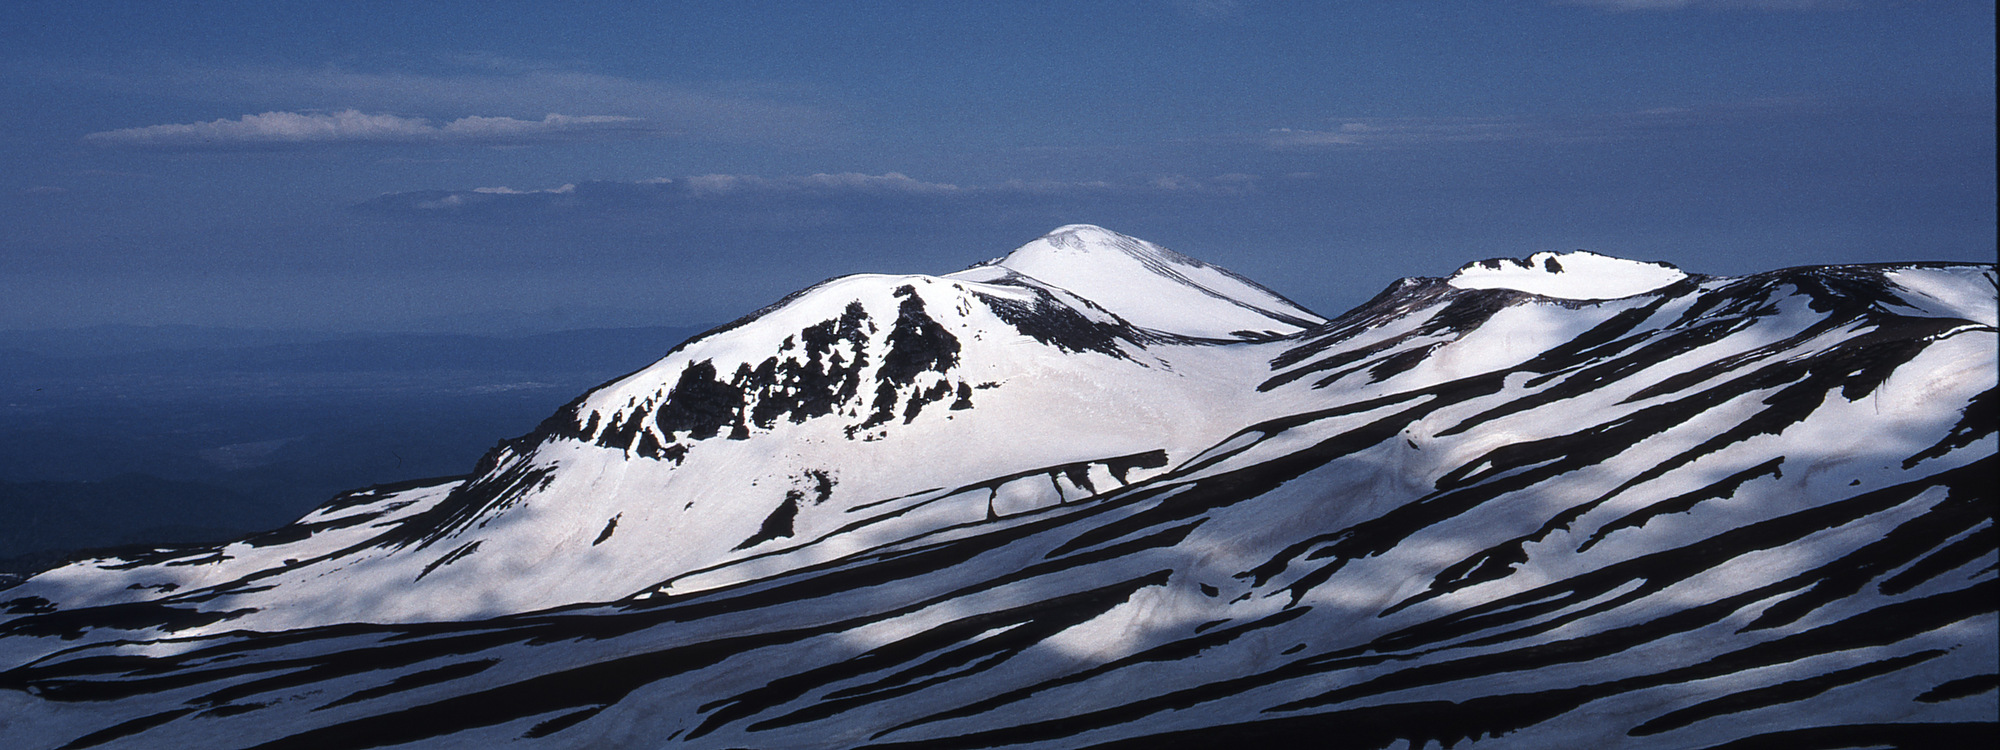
{"points": [[563, 190], [353, 126], [1053, 187], [508, 127], [1234, 183], [1405, 131], [891, 182], [829, 193], [730, 111]]}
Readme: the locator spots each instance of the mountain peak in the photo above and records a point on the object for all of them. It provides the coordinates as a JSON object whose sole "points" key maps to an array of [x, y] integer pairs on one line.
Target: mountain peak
{"points": [[1579, 275], [1151, 286], [1677, 520], [1081, 230]]}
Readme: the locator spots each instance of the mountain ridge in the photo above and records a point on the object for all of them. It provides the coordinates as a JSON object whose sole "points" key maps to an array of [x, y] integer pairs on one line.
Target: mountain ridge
{"points": [[1111, 270], [1721, 511]]}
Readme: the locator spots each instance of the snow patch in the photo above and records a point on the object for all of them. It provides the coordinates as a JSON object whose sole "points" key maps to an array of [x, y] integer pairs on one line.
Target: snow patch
{"points": [[1967, 292], [1149, 285], [1576, 275]]}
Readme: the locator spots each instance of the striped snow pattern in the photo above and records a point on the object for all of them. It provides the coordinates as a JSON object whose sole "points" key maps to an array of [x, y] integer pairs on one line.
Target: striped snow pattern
{"points": [[1724, 513]]}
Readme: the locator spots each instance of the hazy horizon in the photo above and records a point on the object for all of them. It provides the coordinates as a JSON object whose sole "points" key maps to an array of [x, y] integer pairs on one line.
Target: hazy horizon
{"points": [[299, 165]]}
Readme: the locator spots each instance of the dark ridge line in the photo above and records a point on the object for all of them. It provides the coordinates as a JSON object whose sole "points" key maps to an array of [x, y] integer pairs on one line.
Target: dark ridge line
{"points": [[1028, 625], [1709, 370], [141, 555], [1207, 493], [1360, 365], [466, 503], [125, 729], [374, 492], [1945, 559], [1686, 501], [1979, 418], [888, 548], [299, 532], [1872, 628], [1344, 358], [71, 624], [1776, 695], [1903, 736], [1462, 310], [950, 665], [414, 680], [1056, 324], [1118, 465], [218, 590], [1899, 575], [1370, 728], [1667, 567], [565, 721], [461, 552], [144, 674], [1498, 561], [326, 667], [1050, 297], [1593, 356], [232, 709], [1175, 650], [486, 634], [1963, 687], [1395, 300], [603, 682], [1805, 383], [1882, 626], [1182, 699], [873, 503], [873, 567], [1420, 723], [1848, 574], [1707, 614], [1459, 490], [1395, 364], [1163, 539], [1535, 449], [1654, 347]]}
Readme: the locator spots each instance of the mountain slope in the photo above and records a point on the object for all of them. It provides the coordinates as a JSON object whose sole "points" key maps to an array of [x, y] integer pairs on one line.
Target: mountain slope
{"points": [[1151, 286], [1750, 511], [773, 432]]}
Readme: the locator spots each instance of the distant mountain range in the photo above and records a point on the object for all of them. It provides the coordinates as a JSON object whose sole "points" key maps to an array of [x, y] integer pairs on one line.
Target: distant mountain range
{"points": [[1095, 493]]}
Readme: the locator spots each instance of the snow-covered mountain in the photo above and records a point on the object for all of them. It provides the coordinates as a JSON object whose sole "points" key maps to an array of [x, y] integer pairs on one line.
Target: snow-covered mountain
{"points": [[1096, 492]]}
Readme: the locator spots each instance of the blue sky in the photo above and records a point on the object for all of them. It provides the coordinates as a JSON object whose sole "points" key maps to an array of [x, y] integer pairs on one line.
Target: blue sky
{"points": [[377, 165]]}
